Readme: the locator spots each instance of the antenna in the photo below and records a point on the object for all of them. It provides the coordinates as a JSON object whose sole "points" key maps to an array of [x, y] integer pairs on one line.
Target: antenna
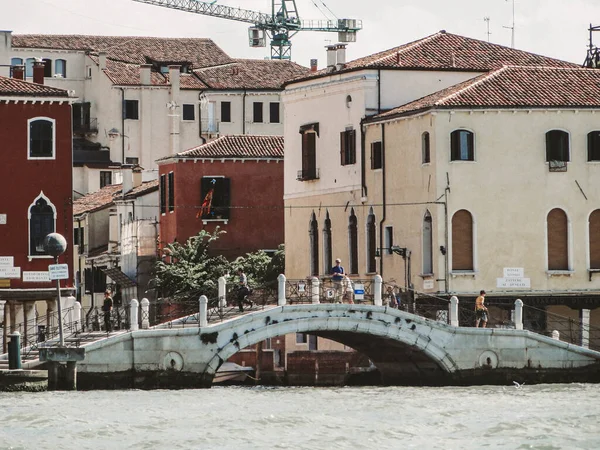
{"points": [[512, 28], [487, 20]]}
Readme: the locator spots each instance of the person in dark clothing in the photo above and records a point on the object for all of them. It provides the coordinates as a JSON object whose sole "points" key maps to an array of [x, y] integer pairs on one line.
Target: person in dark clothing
{"points": [[243, 290], [107, 308]]}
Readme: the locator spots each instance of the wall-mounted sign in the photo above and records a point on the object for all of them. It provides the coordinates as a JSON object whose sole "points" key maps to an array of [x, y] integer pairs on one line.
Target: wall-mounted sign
{"points": [[58, 271], [513, 283], [514, 272], [36, 277], [10, 272], [7, 261], [2, 219], [427, 284], [359, 291], [4, 283], [301, 287]]}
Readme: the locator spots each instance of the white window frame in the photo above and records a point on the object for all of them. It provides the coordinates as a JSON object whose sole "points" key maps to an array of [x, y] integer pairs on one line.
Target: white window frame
{"points": [[41, 196], [37, 158]]}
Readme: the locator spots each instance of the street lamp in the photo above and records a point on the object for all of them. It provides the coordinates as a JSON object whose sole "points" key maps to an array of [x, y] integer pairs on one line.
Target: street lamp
{"points": [[55, 245]]}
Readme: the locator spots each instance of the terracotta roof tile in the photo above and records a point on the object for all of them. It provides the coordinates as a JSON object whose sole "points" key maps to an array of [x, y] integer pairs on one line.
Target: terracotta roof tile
{"points": [[447, 51], [199, 52], [19, 88], [106, 196], [236, 146], [515, 87], [251, 74]]}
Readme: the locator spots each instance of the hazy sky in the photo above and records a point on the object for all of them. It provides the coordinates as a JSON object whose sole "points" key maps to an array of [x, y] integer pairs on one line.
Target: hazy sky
{"points": [[556, 28]]}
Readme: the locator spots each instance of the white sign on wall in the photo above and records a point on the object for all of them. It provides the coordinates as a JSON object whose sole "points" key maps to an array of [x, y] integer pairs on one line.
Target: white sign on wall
{"points": [[10, 272], [427, 284], [513, 283], [2, 219], [7, 261], [514, 272], [36, 277], [359, 291]]}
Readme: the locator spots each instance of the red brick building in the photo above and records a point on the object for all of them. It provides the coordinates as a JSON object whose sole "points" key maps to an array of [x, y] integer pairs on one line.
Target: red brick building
{"points": [[36, 187], [233, 182]]}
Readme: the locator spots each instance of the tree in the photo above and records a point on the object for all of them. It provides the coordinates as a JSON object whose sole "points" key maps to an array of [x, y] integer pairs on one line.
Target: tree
{"points": [[190, 271], [262, 269]]}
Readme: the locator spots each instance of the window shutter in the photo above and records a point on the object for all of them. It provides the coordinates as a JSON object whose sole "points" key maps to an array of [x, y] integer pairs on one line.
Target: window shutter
{"points": [[455, 146], [343, 148], [352, 145], [471, 144], [558, 257], [462, 240], [595, 240]]}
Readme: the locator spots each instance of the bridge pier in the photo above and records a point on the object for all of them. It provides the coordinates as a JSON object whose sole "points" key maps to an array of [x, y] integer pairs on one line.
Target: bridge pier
{"points": [[281, 300]]}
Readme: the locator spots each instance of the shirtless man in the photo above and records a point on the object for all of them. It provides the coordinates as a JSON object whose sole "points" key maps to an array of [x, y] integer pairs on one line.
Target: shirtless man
{"points": [[481, 311]]}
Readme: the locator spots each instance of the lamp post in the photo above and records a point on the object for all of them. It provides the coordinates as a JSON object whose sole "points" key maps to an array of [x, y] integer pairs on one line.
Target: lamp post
{"points": [[55, 245]]}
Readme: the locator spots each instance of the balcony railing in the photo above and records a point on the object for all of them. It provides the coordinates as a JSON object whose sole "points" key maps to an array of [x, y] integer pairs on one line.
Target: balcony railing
{"points": [[81, 126], [210, 126], [308, 174]]}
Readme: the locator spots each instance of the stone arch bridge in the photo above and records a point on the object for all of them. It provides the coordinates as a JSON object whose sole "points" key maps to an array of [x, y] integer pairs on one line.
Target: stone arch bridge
{"points": [[405, 348]]}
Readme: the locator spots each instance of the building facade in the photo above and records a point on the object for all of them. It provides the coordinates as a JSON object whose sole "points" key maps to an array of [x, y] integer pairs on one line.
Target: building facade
{"points": [[36, 186]]}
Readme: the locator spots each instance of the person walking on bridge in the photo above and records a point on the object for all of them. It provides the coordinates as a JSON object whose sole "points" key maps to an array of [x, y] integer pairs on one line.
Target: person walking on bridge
{"points": [[243, 290], [481, 311], [337, 276], [107, 307]]}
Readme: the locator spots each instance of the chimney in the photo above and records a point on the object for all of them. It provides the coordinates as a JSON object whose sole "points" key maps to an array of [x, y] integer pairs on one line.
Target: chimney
{"points": [[126, 174], [331, 55], [136, 176], [38, 72], [102, 60], [341, 55], [18, 72], [313, 65], [174, 72], [145, 74]]}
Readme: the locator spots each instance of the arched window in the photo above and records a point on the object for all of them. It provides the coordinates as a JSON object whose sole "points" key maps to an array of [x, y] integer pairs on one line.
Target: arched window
{"points": [[60, 68], [41, 138], [327, 265], [47, 67], [462, 240], [462, 146], [427, 243], [595, 239], [29, 67], [313, 235], [425, 148], [42, 222], [557, 145], [371, 242], [558, 240], [353, 242], [593, 146], [16, 61]]}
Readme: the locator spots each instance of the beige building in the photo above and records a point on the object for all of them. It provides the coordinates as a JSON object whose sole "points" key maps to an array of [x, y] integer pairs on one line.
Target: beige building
{"points": [[329, 190]]}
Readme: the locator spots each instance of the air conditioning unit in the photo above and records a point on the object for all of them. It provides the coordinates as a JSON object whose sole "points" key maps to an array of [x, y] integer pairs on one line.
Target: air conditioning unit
{"points": [[557, 166]]}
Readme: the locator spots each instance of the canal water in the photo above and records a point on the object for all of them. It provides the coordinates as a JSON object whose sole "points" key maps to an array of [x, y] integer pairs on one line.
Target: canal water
{"points": [[548, 417]]}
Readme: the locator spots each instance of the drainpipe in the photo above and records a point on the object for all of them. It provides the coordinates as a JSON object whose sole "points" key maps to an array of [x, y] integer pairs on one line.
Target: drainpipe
{"points": [[383, 204], [379, 91], [447, 273], [244, 112], [362, 160], [122, 125]]}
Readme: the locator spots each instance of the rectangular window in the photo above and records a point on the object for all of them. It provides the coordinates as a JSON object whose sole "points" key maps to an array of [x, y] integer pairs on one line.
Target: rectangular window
{"points": [[225, 111], [215, 196], [60, 68], [301, 338], [594, 146], [348, 147], [163, 194], [274, 112], [189, 112], [78, 237], [130, 109], [389, 239], [171, 182], [462, 146], [132, 161], [309, 157], [105, 178], [41, 138], [376, 155], [257, 116]]}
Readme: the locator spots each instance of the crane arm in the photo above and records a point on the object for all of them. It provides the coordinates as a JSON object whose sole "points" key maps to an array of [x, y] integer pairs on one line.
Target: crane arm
{"points": [[213, 9]]}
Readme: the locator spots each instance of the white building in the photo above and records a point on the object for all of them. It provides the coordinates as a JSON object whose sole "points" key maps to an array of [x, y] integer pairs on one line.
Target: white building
{"points": [[143, 98]]}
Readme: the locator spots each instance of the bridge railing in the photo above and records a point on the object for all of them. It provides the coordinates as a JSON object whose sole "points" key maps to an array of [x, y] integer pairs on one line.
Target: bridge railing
{"points": [[325, 290]]}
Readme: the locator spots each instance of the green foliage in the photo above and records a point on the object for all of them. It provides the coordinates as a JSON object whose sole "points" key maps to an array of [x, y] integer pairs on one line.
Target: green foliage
{"points": [[260, 268], [189, 271]]}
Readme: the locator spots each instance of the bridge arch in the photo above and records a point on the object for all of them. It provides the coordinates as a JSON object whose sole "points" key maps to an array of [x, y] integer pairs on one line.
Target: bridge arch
{"points": [[358, 328]]}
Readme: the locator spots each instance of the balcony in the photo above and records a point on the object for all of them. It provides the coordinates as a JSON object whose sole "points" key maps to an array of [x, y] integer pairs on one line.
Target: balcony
{"points": [[85, 126], [209, 126], [308, 174]]}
